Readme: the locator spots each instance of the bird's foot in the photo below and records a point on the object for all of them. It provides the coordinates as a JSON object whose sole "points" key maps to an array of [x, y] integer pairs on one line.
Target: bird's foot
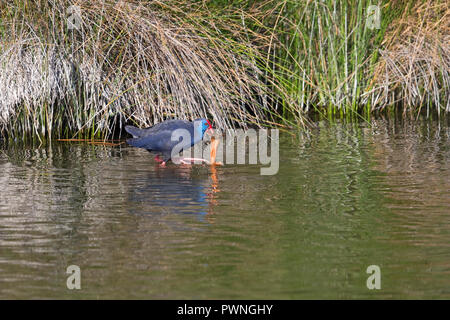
{"points": [[159, 159], [191, 160]]}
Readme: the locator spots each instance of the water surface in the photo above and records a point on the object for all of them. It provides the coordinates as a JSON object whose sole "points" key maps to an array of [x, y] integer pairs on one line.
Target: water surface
{"points": [[346, 196]]}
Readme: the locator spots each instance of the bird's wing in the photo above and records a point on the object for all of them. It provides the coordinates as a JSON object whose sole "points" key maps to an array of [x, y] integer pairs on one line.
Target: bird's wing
{"points": [[159, 141]]}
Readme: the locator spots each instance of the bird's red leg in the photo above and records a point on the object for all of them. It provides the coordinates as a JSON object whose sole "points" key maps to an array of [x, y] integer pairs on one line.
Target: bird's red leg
{"points": [[158, 159]]}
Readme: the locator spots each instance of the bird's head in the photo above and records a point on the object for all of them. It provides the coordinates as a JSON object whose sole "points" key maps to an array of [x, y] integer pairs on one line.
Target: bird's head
{"points": [[204, 125]]}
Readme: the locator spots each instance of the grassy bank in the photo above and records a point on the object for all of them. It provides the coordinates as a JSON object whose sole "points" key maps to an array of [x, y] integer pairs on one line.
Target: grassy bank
{"points": [[85, 71]]}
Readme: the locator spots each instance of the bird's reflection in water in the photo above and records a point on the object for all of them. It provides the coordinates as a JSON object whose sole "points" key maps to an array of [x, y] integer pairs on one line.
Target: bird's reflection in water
{"points": [[214, 188], [182, 189]]}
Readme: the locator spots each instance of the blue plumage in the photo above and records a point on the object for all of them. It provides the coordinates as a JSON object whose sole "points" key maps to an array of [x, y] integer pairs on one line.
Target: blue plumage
{"points": [[158, 138]]}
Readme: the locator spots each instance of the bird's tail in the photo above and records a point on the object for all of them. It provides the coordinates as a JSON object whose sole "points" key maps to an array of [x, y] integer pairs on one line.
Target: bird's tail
{"points": [[135, 132]]}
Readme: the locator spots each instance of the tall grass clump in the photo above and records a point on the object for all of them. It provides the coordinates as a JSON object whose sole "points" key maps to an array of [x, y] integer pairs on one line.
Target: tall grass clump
{"points": [[326, 52], [414, 67], [64, 74], [332, 59]]}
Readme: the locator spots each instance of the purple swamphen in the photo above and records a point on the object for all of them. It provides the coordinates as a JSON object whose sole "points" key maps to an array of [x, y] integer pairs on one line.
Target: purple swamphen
{"points": [[158, 138]]}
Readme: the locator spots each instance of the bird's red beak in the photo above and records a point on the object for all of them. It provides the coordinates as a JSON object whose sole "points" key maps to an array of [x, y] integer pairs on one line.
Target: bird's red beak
{"points": [[210, 127]]}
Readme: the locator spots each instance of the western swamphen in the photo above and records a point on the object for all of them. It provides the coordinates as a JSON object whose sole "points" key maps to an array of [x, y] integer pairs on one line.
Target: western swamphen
{"points": [[158, 138]]}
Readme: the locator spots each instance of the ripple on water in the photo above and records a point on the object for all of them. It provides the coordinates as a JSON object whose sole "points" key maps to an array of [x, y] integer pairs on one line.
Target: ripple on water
{"points": [[345, 197]]}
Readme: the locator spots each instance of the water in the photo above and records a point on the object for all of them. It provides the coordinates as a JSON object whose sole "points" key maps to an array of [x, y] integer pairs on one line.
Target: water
{"points": [[345, 197]]}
